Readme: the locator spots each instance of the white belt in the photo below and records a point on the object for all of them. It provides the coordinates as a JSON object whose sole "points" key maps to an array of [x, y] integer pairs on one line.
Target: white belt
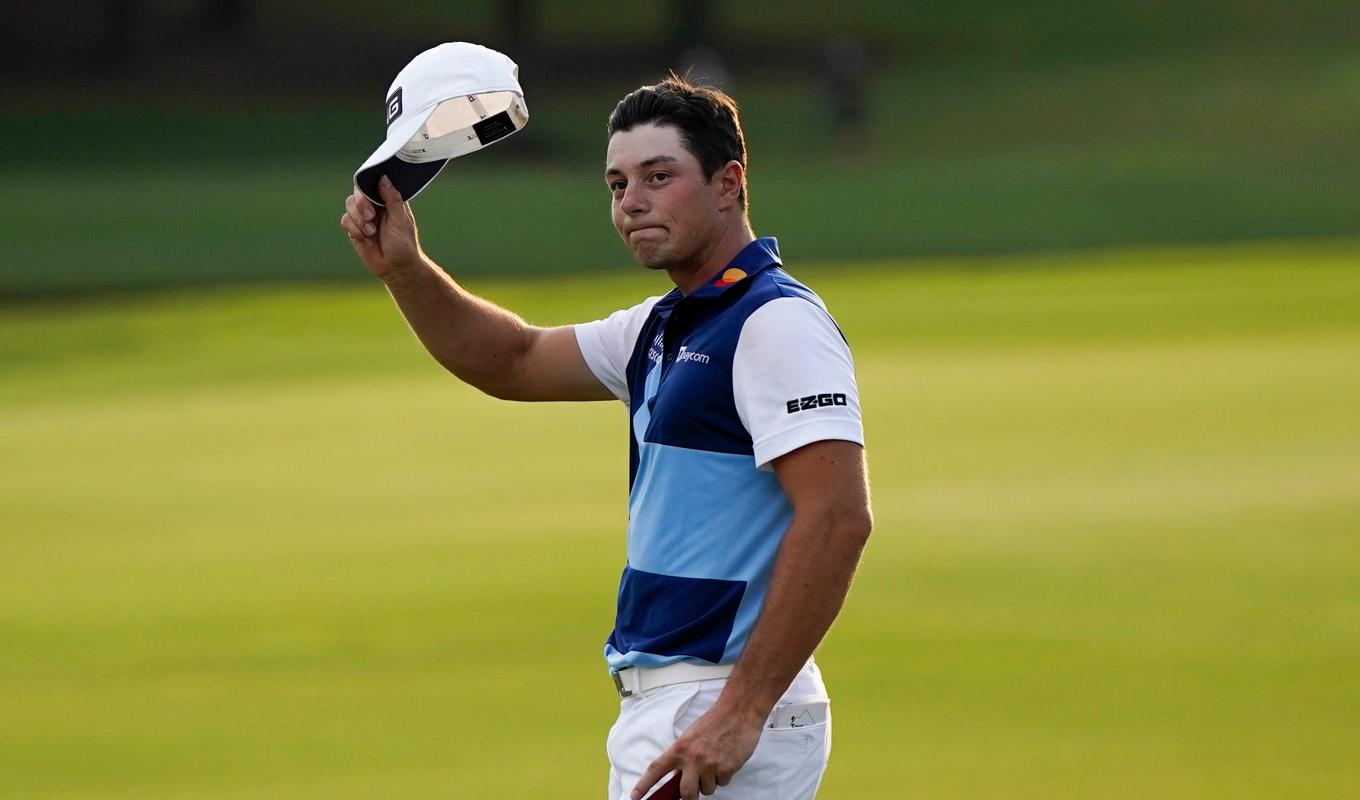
{"points": [[636, 680]]}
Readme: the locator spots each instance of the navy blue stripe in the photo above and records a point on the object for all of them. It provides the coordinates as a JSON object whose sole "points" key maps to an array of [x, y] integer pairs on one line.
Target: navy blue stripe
{"points": [[671, 616]]}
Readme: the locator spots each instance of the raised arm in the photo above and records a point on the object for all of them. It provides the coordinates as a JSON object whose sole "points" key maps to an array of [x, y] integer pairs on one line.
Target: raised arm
{"points": [[483, 344]]}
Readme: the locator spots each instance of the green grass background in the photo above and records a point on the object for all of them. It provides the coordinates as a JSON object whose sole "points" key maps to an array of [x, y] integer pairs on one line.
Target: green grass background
{"points": [[258, 545]]}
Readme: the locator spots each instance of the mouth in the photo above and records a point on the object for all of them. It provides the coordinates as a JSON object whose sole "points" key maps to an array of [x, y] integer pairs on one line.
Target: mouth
{"points": [[646, 229]]}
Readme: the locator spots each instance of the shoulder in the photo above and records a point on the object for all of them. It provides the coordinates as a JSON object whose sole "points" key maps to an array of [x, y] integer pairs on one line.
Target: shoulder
{"points": [[793, 375], [623, 320], [787, 286], [608, 344], [782, 309], [775, 282]]}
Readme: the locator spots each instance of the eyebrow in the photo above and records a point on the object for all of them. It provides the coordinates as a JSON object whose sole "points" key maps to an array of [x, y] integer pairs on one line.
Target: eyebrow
{"points": [[651, 162]]}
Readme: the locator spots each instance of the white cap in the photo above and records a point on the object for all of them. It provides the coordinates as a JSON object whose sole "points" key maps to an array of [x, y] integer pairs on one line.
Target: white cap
{"points": [[449, 101]]}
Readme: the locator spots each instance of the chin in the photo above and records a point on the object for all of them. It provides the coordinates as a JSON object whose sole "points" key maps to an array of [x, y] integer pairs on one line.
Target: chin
{"points": [[654, 257], [655, 262]]}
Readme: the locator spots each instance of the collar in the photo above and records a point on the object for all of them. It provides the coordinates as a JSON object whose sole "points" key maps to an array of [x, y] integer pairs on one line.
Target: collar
{"points": [[759, 255]]}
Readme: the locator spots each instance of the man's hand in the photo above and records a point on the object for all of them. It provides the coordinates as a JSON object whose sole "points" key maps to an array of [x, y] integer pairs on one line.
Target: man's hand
{"points": [[386, 239], [708, 754]]}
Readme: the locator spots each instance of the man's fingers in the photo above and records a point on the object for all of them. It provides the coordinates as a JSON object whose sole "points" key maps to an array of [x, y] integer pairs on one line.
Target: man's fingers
{"points": [[356, 230], [398, 210], [359, 203], [708, 784], [689, 785], [361, 210], [365, 246], [347, 222], [391, 197]]}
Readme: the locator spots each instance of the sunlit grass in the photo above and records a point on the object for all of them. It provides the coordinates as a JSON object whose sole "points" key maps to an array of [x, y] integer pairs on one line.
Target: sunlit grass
{"points": [[257, 545]]}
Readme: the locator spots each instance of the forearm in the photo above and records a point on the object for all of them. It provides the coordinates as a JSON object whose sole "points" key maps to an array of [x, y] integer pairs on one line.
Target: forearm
{"points": [[811, 577], [478, 341]]}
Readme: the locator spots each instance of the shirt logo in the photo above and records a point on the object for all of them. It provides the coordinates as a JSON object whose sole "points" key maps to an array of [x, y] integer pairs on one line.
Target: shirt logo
{"points": [[730, 277], [687, 354], [654, 352], [815, 401], [394, 106]]}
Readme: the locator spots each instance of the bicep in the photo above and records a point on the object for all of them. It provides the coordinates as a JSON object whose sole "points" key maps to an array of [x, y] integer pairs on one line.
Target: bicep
{"points": [[553, 368], [826, 478]]}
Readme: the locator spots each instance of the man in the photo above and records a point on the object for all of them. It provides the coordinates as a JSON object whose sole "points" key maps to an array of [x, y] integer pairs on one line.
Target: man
{"points": [[748, 504]]}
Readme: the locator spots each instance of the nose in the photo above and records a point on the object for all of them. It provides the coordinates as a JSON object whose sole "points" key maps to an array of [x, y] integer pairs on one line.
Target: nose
{"points": [[633, 201]]}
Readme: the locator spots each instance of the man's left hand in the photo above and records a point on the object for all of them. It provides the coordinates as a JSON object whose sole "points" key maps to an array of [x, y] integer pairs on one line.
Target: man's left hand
{"points": [[708, 754]]}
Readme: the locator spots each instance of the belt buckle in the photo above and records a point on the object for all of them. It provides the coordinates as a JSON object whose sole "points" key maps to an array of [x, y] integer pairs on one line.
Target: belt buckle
{"points": [[618, 684]]}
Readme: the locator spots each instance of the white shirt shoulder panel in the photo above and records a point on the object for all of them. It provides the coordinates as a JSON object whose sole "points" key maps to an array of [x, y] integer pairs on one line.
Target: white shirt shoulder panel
{"points": [[793, 379], [608, 343]]}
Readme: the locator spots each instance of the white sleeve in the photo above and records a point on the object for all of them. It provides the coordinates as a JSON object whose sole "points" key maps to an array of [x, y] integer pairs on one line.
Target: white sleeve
{"points": [[607, 344], [793, 379]]}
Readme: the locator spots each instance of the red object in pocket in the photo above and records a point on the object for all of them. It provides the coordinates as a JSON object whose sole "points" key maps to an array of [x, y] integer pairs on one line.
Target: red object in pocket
{"points": [[670, 790]]}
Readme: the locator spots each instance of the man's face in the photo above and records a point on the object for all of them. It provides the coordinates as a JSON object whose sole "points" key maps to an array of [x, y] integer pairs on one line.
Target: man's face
{"points": [[663, 208]]}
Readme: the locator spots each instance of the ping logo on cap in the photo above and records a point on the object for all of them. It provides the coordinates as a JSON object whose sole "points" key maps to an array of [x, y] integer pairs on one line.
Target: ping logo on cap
{"points": [[394, 106]]}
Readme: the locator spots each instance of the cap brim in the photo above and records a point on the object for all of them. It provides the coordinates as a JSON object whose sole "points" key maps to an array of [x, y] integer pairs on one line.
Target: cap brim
{"points": [[408, 177]]}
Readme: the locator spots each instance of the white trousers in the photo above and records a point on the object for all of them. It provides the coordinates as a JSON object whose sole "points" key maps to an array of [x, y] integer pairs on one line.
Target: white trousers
{"points": [[788, 761]]}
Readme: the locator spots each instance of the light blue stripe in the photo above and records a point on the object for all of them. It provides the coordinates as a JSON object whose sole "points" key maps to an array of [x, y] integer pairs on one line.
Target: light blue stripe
{"points": [[643, 417], [747, 613], [637, 658], [704, 515]]}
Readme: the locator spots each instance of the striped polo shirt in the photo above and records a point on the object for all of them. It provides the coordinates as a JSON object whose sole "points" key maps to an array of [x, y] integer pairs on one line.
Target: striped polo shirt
{"points": [[718, 384]]}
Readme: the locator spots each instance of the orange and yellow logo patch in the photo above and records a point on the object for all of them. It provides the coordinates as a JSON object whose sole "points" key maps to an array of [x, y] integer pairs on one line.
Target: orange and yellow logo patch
{"points": [[730, 277]]}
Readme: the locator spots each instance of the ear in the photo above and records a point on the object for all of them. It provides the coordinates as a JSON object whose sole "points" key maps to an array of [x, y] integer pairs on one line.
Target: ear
{"points": [[729, 178]]}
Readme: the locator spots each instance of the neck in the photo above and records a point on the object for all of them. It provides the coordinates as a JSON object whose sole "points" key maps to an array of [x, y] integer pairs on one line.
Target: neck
{"points": [[717, 256]]}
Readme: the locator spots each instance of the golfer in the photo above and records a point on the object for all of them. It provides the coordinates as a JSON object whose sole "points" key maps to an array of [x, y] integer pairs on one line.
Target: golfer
{"points": [[748, 504]]}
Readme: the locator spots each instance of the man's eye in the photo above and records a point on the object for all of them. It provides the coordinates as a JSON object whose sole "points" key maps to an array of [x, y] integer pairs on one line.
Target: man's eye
{"points": [[616, 186], [659, 176]]}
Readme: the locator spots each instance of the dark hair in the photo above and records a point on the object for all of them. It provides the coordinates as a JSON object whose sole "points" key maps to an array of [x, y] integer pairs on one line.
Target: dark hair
{"points": [[704, 115]]}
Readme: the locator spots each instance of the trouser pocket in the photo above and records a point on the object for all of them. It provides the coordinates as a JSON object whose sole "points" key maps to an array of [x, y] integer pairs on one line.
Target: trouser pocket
{"points": [[794, 750]]}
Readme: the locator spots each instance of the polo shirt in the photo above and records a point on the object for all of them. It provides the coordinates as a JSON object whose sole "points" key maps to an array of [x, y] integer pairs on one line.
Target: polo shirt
{"points": [[718, 383]]}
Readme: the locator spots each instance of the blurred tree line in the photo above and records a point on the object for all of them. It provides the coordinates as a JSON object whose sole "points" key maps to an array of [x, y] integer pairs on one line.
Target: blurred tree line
{"points": [[290, 42], [877, 129], [120, 38]]}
